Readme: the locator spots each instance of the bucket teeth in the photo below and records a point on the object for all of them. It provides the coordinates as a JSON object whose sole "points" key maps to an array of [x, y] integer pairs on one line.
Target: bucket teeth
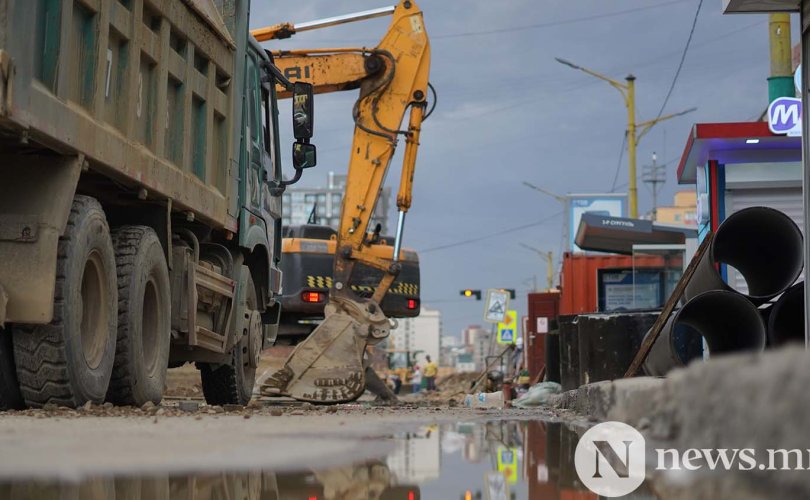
{"points": [[327, 367], [277, 382]]}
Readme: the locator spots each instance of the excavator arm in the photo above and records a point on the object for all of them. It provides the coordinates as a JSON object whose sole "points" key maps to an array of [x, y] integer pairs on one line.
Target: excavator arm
{"points": [[393, 81]]}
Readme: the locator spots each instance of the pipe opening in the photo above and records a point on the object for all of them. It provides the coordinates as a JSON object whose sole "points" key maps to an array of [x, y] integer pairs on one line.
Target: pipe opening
{"points": [[764, 245], [786, 320], [728, 321]]}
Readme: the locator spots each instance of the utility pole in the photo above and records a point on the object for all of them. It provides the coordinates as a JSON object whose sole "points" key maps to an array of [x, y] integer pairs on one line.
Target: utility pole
{"points": [[635, 131], [654, 176]]}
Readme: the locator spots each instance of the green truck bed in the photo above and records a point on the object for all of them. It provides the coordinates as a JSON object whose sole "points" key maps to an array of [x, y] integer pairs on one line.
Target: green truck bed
{"points": [[144, 90]]}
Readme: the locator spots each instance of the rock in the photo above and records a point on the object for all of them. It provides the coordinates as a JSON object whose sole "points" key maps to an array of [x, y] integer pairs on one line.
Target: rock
{"points": [[188, 406], [147, 406], [331, 409], [50, 407], [218, 409], [246, 416], [254, 404], [276, 412], [87, 406], [160, 412], [107, 406]]}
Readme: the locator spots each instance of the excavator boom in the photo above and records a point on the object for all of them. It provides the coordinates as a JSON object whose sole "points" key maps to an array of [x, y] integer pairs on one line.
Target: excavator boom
{"points": [[392, 79]]}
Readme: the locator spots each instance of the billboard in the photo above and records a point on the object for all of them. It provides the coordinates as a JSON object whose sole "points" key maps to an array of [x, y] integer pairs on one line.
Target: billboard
{"points": [[610, 204]]}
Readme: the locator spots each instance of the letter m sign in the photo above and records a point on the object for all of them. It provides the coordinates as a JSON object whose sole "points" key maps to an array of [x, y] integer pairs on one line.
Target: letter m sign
{"points": [[785, 116]]}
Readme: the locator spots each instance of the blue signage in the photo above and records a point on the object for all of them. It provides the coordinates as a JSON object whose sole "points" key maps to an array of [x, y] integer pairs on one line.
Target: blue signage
{"points": [[785, 116]]}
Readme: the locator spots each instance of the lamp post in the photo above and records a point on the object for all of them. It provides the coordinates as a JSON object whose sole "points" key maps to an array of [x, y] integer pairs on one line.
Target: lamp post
{"points": [[549, 258], [635, 131], [564, 201]]}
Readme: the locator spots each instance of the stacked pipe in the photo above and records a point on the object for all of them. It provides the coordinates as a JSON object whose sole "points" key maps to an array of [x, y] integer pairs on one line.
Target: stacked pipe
{"points": [[765, 247]]}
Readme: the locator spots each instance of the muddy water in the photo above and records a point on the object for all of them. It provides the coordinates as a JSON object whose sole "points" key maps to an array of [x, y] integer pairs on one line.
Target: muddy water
{"points": [[499, 460]]}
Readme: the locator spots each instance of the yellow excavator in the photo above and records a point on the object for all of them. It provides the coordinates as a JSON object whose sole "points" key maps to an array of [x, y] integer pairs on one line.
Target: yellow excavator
{"points": [[328, 365]]}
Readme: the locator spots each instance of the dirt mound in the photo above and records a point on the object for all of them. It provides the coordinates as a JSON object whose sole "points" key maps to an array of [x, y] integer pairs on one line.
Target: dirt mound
{"points": [[456, 383]]}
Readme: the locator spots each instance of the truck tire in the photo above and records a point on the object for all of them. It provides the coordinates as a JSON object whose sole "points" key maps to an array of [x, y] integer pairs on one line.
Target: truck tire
{"points": [[144, 318], [10, 397], [233, 383], [69, 361]]}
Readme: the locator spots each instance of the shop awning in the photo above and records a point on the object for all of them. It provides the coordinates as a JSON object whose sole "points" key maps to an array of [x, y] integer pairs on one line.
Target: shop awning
{"points": [[727, 143], [601, 233], [744, 6]]}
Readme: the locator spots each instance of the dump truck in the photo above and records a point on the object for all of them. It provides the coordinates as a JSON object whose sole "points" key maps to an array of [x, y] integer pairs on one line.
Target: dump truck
{"points": [[140, 198]]}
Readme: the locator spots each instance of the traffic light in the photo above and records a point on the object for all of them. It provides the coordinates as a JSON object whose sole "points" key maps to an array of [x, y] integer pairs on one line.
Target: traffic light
{"points": [[511, 292], [471, 293]]}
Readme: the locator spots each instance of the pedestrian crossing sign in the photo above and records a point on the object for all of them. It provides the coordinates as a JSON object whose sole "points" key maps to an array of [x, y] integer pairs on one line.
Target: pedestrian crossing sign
{"points": [[508, 328], [508, 463]]}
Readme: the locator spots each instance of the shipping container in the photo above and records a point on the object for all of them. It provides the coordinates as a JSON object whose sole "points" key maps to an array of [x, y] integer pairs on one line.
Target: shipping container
{"points": [[579, 277]]}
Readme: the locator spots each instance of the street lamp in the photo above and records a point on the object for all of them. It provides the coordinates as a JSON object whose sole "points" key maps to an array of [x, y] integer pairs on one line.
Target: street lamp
{"points": [[635, 131], [549, 258], [562, 199]]}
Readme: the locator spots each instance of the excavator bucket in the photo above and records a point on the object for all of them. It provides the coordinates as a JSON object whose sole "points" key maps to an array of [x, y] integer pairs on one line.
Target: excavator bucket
{"points": [[327, 367]]}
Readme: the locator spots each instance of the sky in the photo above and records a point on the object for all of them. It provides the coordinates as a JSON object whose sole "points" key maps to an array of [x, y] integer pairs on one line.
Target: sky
{"points": [[508, 112]]}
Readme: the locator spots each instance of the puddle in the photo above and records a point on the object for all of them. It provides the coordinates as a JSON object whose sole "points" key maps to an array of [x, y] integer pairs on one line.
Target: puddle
{"points": [[500, 460]]}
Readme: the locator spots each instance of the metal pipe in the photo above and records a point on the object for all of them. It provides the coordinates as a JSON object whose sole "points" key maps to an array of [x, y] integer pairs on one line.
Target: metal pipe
{"points": [[804, 29], [786, 321], [398, 238], [726, 320], [762, 244], [344, 19]]}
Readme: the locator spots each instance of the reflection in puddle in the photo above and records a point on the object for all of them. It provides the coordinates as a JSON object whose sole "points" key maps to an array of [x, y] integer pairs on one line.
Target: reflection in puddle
{"points": [[502, 460]]}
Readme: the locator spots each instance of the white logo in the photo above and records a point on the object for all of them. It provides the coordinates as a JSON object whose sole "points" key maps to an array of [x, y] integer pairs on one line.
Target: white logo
{"points": [[610, 459]]}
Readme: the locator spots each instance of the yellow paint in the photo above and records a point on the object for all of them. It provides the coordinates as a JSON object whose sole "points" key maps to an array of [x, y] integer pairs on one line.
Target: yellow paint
{"points": [[508, 463], [507, 330]]}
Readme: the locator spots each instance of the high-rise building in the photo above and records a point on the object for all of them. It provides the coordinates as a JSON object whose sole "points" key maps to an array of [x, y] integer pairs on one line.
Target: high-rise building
{"points": [[450, 349], [299, 202], [420, 335], [416, 457], [477, 340], [683, 210]]}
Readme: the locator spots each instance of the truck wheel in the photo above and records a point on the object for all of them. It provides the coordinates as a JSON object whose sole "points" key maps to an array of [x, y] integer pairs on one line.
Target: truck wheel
{"points": [[233, 384], [10, 397], [69, 361], [144, 318]]}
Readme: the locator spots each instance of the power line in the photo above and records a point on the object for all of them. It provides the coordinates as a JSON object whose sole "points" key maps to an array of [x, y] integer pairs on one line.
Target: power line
{"points": [[492, 235], [683, 58], [619, 164], [555, 23], [511, 29]]}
